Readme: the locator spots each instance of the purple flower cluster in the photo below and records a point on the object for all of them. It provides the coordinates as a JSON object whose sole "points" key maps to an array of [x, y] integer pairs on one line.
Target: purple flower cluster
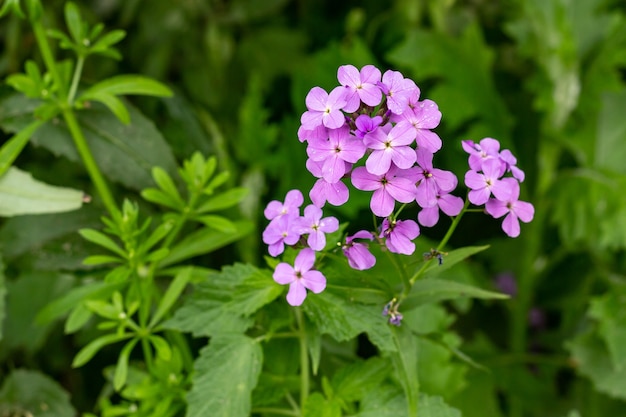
{"points": [[490, 186], [374, 131]]}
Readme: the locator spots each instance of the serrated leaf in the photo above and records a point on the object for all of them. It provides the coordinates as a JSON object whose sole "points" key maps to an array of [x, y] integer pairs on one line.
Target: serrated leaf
{"points": [[353, 381], [608, 310], [434, 290], [225, 374], [34, 394], [317, 405], [21, 194], [223, 301], [86, 353], [344, 320], [205, 241]]}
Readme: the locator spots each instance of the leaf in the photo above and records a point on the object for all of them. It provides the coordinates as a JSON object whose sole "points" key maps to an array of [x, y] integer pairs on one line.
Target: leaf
{"points": [[3, 291], [103, 240], [317, 405], [35, 394], [434, 290], [432, 406], [452, 259], [205, 241], [223, 200], [174, 290], [353, 381], [21, 194], [163, 349], [405, 363], [611, 137], [608, 310], [223, 301], [225, 374], [218, 223], [127, 85], [13, 147], [593, 360], [121, 369], [74, 22], [124, 153], [344, 320], [86, 353]]}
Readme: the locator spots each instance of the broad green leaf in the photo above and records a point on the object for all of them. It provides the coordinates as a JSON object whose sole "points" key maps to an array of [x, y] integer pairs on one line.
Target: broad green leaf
{"points": [[608, 310], [353, 381], [121, 370], [388, 401], [174, 290], [205, 241], [344, 320], [433, 406], [225, 374], [34, 394], [427, 290], [611, 137], [124, 153], [446, 377], [405, 361], [103, 240], [317, 405], [86, 353], [222, 302], [21, 194], [593, 360], [127, 85], [223, 200]]}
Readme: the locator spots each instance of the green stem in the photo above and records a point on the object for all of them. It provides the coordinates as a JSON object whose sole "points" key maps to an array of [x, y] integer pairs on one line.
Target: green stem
{"points": [[46, 54], [90, 164], [147, 352], [78, 71], [304, 358]]}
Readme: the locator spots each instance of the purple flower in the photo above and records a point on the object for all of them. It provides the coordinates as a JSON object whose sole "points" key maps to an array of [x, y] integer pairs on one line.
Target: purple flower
{"points": [[506, 284], [324, 109], [340, 147], [448, 203], [280, 231], [514, 209], [318, 132], [300, 277], [398, 90], [293, 201], [399, 235], [432, 180], [315, 226], [358, 254], [388, 147], [365, 124], [394, 185], [488, 148], [336, 193], [482, 185], [361, 86], [423, 116], [510, 161]]}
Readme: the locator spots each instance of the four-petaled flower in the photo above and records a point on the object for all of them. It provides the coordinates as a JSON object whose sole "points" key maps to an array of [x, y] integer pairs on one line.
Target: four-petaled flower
{"points": [[300, 277], [514, 209]]}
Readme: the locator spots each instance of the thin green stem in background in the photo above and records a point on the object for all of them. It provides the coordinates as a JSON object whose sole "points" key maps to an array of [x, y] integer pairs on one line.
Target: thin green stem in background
{"points": [[78, 71]]}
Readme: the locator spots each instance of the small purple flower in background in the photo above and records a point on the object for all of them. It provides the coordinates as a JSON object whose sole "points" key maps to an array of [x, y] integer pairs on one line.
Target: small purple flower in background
{"points": [[395, 185], [281, 231], [391, 310], [399, 235], [390, 146], [300, 277], [365, 124], [483, 185], [315, 226], [340, 147], [293, 201], [505, 283], [361, 86], [514, 209], [358, 254], [324, 109]]}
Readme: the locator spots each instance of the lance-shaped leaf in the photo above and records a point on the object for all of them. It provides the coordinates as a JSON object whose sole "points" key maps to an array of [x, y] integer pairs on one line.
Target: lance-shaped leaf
{"points": [[434, 290], [21, 194], [87, 352], [225, 373]]}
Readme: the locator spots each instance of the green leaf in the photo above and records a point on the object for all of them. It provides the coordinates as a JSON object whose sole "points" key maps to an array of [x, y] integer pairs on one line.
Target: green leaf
{"points": [[174, 290], [121, 370], [163, 349], [317, 405], [124, 153], [101, 259], [223, 201], [405, 362], [223, 301], [344, 320], [611, 137], [79, 316], [609, 311], [452, 258], [434, 290], [113, 103], [353, 381], [74, 22], [159, 197], [225, 374], [104, 309], [205, 241], [3, 291], [21, 194], [127, 85], [433, 406], [32, 393], [218, 223], [86, 353], [165, 183], [103, 240]]}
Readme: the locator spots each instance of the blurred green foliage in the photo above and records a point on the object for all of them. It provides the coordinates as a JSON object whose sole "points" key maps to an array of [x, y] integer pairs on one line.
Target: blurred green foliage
{"points": [[546, 78]]}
